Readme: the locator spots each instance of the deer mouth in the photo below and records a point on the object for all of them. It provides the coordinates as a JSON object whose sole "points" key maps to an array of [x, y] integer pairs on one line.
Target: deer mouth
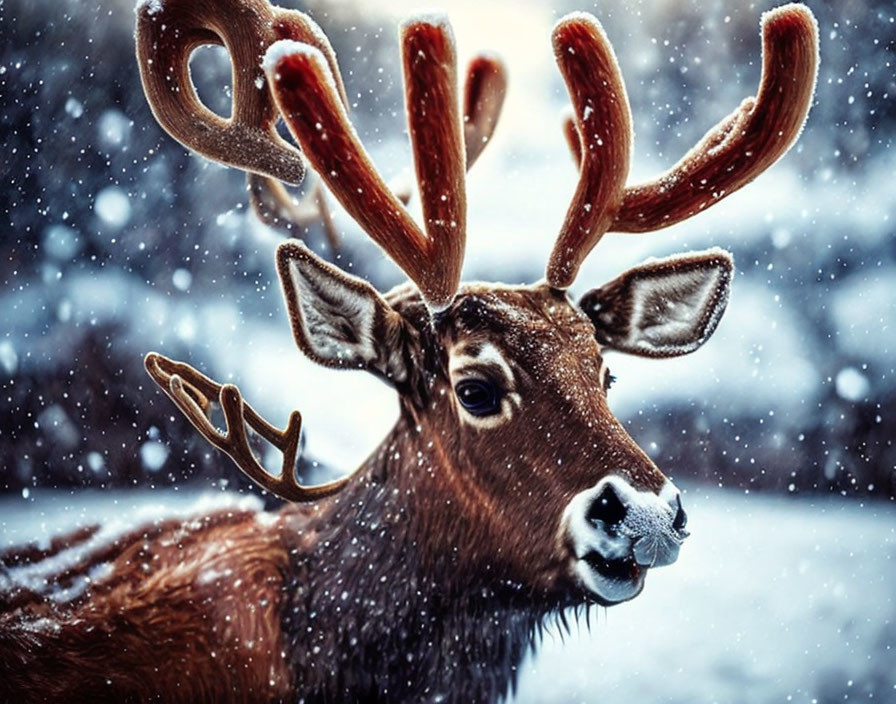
{"points": [[611, 581], [624, 569]]}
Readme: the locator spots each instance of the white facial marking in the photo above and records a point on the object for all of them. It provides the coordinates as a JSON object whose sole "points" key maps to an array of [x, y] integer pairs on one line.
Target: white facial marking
{"points": [[670, 493], [609, 589], [489, 353]]}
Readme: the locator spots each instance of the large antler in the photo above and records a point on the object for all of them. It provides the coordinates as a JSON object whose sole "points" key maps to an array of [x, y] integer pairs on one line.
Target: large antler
{"points": [[311, 97], [193, 393], [169, 31], [166, 35], [603, 124], [730, 155], [484, 90], [304, 89]]}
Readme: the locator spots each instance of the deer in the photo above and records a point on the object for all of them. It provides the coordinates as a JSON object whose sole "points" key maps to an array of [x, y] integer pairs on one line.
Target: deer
{"points": [[507, 494]]}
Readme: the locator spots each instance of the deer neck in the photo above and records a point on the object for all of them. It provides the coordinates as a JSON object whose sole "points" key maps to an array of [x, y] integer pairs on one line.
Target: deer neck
{"points": [[391, 584], [413, 504]]}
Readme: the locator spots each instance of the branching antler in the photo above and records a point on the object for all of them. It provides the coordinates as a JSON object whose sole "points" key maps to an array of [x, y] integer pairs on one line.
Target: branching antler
{"points": [[169, 31], [274, 206], [304, 89], [310, 97], [193, 393], [729, 156], [484, 90]]}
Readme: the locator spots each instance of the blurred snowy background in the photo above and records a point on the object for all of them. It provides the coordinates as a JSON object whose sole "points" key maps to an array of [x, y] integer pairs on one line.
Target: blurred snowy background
{"points": [[116, 241]]}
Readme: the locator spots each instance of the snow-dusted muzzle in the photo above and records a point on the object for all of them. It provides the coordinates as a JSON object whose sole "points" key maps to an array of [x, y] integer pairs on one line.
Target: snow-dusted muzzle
{"points": [[617, 532]]}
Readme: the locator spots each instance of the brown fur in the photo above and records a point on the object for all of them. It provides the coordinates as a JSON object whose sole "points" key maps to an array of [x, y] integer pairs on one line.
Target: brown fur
{"points": [[430, 572], [187, 615]]}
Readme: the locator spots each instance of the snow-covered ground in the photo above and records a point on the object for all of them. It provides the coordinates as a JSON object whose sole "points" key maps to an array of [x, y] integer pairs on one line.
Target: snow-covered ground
{"points": [[772, 600]]}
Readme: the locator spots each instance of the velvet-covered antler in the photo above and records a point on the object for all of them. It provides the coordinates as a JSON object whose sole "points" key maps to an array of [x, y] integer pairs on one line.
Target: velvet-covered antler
{"points": [[193, 393], [443, 147], [730, 155], [484, 90], [168, 32], [305, 91], [274, 206], [604, 128]]}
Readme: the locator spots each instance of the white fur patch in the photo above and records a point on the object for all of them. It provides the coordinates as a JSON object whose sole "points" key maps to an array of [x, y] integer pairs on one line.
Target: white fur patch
{"points": [[669, 493], [611, 590], [666, 311]]}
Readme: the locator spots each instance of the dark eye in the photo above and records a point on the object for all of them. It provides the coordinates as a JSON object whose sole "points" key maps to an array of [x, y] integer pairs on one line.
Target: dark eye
{"points": [[681, 518], [479, 397], [609, 380]]}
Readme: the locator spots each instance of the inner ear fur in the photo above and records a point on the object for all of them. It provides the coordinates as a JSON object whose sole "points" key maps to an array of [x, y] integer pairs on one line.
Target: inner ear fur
{"points": [[339, 320], [664, 307]]}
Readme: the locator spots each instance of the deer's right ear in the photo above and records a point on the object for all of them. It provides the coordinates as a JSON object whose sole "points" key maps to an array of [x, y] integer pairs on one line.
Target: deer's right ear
{"points": [[340, 320]]}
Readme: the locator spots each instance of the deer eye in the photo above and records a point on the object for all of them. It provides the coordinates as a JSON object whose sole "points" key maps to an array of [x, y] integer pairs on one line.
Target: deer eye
{"points": [[479, 397], [681, 518], [609, 380]]}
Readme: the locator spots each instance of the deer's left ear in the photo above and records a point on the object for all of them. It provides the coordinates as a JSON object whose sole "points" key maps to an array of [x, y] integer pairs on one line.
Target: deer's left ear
{"points": [[339, 320], [664, 307]]}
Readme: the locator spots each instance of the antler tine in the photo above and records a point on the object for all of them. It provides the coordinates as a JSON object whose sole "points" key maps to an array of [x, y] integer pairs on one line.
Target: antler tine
{"points": [[484, 91], [304, 90], [437, 140], [746, 142], [192, 392], [168, 32], [603, 126]]}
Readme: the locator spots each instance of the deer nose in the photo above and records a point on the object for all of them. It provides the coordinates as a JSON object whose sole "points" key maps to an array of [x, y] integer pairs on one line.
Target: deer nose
{"points": [[652, 526], [656, 550], [607, 507], [616, 531]]}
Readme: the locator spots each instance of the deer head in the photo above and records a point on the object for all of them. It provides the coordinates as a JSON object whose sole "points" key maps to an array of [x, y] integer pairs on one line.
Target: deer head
{"points": [[503, 388]]}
